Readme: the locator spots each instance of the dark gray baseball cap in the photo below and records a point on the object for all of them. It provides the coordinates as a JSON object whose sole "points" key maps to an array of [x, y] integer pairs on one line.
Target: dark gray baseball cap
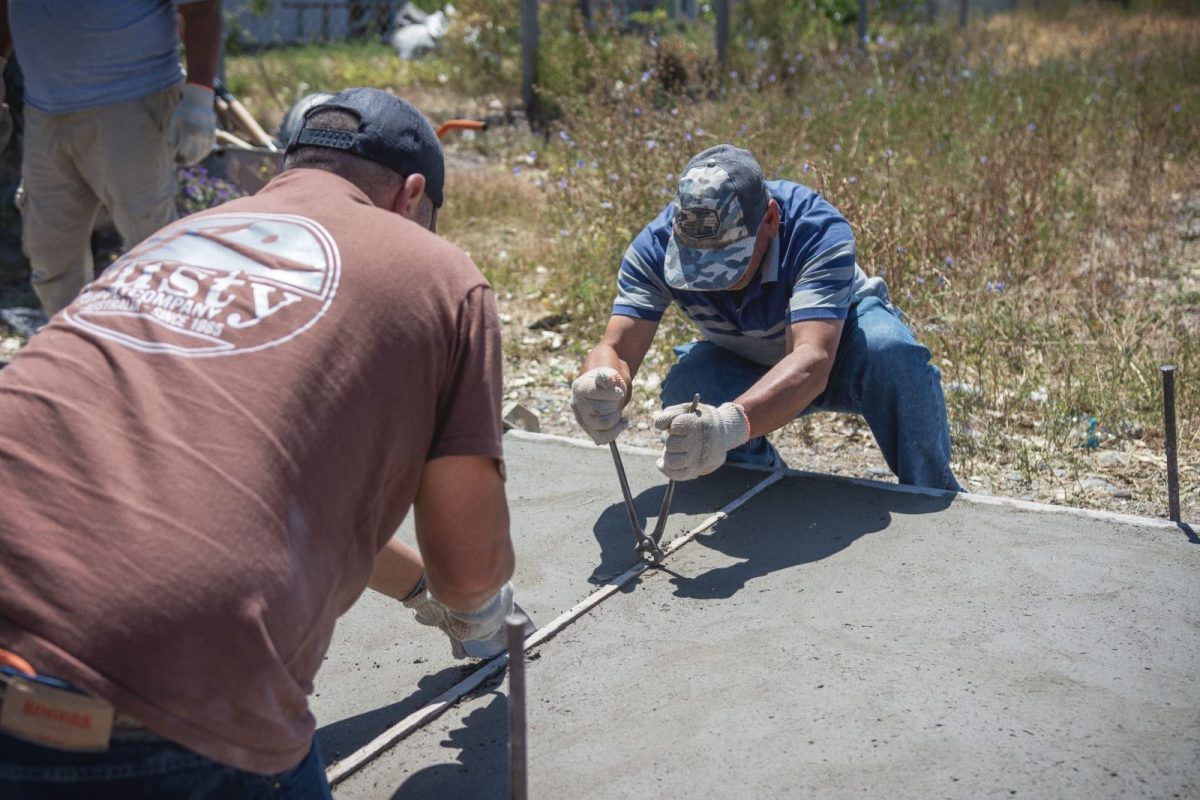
{"points": [[391, 132], [721, 200]]}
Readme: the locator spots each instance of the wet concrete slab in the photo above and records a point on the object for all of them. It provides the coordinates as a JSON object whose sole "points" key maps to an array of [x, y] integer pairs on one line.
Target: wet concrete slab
{"points": [[831, 638], [571, 532]]}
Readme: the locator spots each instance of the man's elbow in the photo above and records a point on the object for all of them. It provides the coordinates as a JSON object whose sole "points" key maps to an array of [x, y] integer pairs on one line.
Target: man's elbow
{"points": [[820, 370], [472, 585]]}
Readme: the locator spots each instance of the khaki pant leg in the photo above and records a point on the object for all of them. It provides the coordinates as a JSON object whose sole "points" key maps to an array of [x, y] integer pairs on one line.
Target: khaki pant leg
{"points": [[58, 211], [132, 167]]}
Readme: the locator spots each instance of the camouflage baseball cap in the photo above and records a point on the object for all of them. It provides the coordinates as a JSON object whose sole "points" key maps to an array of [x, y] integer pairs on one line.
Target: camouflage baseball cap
{"points": [[720, 202]]}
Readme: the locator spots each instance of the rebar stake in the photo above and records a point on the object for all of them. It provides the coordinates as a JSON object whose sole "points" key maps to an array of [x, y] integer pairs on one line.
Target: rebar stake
{"points": [[515, 625], [1168, 376]]}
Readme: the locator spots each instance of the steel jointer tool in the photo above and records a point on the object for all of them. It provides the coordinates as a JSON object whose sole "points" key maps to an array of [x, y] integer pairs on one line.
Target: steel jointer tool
{"points": [[647, 543]]}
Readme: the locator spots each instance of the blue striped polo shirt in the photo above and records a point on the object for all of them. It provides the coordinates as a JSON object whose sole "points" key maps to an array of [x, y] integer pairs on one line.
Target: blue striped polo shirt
{"points": [[809, 272]]}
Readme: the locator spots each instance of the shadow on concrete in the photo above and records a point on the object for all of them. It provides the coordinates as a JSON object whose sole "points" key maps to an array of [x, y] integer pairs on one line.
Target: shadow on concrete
{"points": [[339, 739], [704, 495], [796, 521], [480, 767], [1189, 532]]}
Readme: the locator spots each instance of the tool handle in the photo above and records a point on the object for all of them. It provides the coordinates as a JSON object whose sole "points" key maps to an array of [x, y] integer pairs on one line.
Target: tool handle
{"points": [[227, 138], [244, 119], [460, 125], [665, 509]]}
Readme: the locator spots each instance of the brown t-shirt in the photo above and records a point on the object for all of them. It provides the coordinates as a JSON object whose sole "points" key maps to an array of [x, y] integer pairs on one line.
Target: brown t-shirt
{"points": [[200, 458]]}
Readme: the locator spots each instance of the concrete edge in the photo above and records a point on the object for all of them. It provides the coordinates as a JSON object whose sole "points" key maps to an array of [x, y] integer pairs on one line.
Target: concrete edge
{"points": [[517, 433], [988, 500]]}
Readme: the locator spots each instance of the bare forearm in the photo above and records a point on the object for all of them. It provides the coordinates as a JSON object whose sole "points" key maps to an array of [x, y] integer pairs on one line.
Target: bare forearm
{"points": [[200, 32], [462, 530], [625, 342], [396, 571], [786, 390]]}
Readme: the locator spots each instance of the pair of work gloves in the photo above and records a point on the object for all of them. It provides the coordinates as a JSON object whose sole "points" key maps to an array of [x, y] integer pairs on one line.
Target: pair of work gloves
{"points": [[695, 441], [191, 133], [477, 634]]}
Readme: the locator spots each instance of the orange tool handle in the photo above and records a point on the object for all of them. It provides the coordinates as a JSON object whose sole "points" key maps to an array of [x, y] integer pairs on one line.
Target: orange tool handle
{"points": [[460, 125]]}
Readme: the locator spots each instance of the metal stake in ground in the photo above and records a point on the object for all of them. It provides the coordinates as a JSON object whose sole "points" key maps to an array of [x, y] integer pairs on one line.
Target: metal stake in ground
{"points": [[517, 778], [1168, 376]]}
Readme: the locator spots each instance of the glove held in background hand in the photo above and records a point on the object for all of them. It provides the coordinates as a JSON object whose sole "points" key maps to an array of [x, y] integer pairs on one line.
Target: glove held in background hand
{"points": [[596, 398], [697, 441], [462, 626], [192, 131]]}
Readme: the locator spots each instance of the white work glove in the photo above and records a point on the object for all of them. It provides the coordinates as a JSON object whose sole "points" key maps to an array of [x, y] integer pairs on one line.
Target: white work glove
{"points": [[697, 440], [478, 634], [192, 131], [596, 398]]}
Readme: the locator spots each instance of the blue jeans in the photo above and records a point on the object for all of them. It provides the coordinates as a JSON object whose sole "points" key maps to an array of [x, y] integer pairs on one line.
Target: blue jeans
{"points": [[880, 373], [145, 766]]}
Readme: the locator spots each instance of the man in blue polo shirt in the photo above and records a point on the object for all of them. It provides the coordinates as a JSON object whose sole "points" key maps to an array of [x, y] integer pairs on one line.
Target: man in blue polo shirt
{"points": [[790, 324]]}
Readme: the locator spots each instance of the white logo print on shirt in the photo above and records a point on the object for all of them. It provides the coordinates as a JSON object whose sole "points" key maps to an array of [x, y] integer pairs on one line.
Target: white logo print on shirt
{"points": [[219, 285]]}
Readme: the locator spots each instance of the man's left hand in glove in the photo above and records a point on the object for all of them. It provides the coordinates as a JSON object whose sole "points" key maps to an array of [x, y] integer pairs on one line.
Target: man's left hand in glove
{"points": [[698, 440], [192, 131]]}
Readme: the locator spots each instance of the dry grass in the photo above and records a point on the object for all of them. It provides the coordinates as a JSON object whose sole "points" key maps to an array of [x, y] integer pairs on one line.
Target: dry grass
{"points": [[1031, 192]]}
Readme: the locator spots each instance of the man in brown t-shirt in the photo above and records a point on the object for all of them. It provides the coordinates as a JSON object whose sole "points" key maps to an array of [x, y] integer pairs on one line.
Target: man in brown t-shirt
{"points": [[204, 458]]}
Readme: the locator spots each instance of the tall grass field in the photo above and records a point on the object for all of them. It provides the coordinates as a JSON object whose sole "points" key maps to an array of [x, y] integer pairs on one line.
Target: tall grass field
{"points": [[1029, 188]]}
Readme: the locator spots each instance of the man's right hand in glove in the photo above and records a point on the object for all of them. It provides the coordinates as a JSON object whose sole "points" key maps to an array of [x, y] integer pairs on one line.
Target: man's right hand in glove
{"points": [[479, 633], [697, 440], [596, 398]]}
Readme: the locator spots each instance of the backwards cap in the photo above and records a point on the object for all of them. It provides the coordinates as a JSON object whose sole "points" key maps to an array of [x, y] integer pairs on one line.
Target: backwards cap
{"points": [[391, 133]]}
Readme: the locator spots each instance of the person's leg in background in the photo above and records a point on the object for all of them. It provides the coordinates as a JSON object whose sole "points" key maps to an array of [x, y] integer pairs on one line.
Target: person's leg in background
{"points": [[132, 166], [882, 373], [719, 376], [58, 209]]}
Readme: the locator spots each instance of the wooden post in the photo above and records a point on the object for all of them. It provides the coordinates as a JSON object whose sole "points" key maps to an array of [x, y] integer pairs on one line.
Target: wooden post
{"points": [[585, 11], [529, 60], [963, 11], [721, 7], [862, 23]]}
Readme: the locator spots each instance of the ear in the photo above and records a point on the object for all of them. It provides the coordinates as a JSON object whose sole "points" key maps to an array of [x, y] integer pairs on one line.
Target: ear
{"points": [[409, 197], [772, 219]]}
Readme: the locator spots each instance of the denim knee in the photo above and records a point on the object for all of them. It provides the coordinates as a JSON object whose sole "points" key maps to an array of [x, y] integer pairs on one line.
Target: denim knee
{"points": [[897, 360], [714, 373]]}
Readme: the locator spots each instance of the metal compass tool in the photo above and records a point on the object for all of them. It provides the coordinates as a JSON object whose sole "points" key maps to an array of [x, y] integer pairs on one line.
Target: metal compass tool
{"points": [[647, 543]]}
